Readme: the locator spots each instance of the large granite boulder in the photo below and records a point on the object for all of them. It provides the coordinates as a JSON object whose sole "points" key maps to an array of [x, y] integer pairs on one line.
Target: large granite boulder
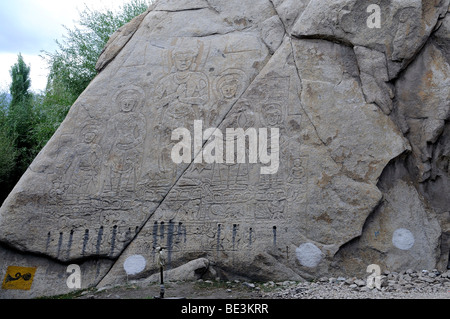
{"points": [[347, 107]]}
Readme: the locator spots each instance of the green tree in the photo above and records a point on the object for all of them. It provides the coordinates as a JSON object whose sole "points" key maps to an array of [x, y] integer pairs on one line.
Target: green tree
{"points": [[49, 115], [7, 150], [21, 82], [17, 119], [29, 120], [20, 112], [72, 66]]}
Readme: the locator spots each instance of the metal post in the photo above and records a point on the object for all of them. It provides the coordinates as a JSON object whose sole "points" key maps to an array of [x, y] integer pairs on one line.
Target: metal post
{"points": [[162, 283], [161, 262]]}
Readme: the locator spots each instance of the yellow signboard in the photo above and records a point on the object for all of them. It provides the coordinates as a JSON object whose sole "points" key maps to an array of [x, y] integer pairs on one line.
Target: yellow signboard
{"points": [[18, 278]]}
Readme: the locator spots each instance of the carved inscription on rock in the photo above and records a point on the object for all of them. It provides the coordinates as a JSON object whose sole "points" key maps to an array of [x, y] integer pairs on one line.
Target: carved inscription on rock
{"points": [[110, 168], [223, 208]]}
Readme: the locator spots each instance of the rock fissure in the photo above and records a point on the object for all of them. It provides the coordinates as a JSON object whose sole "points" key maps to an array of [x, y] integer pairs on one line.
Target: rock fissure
{"points": [[186, 169]]}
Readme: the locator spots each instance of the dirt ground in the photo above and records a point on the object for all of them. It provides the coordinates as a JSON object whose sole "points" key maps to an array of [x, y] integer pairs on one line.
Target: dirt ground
{"points": [[242, 290], [188, 290]]}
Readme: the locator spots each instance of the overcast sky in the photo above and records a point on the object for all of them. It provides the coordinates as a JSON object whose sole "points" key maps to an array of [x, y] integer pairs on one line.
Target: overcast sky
{"points": [[30, 26]]}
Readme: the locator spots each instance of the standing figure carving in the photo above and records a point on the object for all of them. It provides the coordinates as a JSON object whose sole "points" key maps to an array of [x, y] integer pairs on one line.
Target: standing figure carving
{"points": [[180, 95], [82, 167], [126, 132], [85, 164]]}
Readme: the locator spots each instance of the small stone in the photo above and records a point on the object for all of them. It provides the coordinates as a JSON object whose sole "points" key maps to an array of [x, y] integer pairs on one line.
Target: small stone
{"points": [[350, 281], [103, 288], [407, 278], [249, 285], [427, 279], [393, 276], [300, 289], [397, 287], [384, 281], [364, 289]]}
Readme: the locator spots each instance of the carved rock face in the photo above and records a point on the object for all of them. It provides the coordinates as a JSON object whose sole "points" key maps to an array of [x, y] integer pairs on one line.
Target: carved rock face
{"points": [[106, 186]]}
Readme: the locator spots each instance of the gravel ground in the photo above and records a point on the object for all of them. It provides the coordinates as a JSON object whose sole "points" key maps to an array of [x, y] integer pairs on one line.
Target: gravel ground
{"points": [[406, 285], [343, 291]]}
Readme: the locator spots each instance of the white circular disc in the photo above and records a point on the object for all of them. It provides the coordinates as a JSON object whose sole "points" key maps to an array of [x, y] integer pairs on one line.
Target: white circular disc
{"points": [[309, 255], [403, 239], [134, 264]]}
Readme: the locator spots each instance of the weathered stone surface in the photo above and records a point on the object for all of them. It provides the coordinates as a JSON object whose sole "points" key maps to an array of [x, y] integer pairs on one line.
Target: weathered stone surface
{"points": [[118, 40], [423, 95], [401, 234], [193, 270], [374, 77], [106, 187], [289, 11], [51, 277], [107, 169], [405, 27], [325, 204]]}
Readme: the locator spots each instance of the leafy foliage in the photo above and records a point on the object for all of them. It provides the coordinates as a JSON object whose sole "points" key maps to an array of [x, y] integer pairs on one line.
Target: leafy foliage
{"points": [[8, 152], [21, 82], [19, 116], [72, 66], [28, 120]]}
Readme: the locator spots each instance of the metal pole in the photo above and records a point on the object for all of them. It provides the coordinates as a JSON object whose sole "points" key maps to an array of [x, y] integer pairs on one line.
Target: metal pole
{"points": [[161, 262], [162, 283]]}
